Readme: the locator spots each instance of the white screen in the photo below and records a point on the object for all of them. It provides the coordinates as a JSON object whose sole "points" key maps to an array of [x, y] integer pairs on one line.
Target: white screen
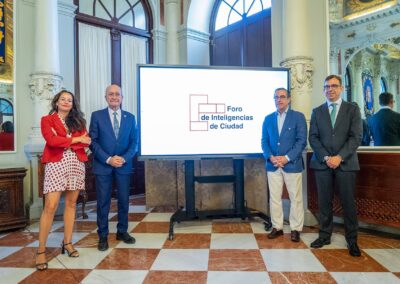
{"points": [[204, 112]]}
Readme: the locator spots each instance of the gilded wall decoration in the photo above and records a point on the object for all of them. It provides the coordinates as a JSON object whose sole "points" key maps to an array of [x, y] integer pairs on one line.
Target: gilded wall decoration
{"points": [[355, 8]]}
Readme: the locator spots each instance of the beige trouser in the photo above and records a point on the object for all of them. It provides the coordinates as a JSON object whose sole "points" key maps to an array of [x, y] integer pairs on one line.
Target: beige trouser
{"points": [[294, 188]]}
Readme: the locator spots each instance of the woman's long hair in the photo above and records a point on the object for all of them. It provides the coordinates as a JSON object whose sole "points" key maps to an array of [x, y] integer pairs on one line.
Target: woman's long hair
{"points": [[75, 120]]}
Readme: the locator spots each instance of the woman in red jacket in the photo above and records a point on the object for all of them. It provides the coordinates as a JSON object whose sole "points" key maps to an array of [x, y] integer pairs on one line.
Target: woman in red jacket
{"points": [[64, 130]]}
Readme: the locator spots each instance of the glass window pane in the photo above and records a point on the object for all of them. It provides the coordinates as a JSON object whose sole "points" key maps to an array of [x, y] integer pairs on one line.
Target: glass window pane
{"points": [[239, 7], [127, 19], [255, 8], [100, 12], [140, 17], [222, 16], [234, 17], [231, 2], [86, 7], [122, 7], [247, 4], [109, 4], [266, 4]]}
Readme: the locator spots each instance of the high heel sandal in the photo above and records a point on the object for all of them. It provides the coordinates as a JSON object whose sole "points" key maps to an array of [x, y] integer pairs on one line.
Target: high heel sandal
{"points": [[73, 253], [43, 265]]}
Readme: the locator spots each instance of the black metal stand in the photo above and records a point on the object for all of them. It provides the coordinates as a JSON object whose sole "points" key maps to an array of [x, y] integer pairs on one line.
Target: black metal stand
{"points": [[239, 210]]}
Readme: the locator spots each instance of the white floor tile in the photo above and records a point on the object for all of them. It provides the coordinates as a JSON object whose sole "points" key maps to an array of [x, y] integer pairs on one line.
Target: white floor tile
{"points": [[193, 227], [112, 226], [55, 239], [258, 227], [146, 240], [365, 277], [337, 241], [233, 241], [182, 260], [88, 258], [138, 209], [389, 258], [157, 217], [92, 216], [115, 276], [34, 228], [6, 251], [14, 275], [237, 277], [291, 260]]}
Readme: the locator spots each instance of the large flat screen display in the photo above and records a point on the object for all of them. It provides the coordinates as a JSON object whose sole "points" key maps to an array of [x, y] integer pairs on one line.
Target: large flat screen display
{"points": [[191, 112]]}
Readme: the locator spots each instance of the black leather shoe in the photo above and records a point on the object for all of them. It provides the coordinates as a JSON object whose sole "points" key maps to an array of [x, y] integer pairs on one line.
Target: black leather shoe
{"points": [[126, 238], [320, 242], [295, 236], [275, 233], [103, 244], [354, 250]]}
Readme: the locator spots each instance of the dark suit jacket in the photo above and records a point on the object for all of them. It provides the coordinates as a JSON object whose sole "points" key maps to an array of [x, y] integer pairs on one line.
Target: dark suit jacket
{"points": [[291, 141], [342, 140], [385, 128], [105, 144]]}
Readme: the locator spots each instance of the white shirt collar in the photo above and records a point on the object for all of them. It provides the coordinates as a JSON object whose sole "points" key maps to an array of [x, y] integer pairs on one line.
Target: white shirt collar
{"points": [[338, 102]]}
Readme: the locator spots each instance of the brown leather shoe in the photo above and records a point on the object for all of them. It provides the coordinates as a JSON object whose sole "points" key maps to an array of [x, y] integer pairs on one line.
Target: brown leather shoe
{"points": [[295, 236], [275, 233]]}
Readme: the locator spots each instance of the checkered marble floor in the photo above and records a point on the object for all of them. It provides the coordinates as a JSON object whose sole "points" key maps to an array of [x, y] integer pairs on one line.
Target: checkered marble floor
{"points": [[218, 251]]}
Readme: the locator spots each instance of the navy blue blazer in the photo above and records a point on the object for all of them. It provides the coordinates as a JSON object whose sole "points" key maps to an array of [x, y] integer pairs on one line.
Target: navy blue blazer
{"points": [[291, 141], [105, 144], [385, 128]]}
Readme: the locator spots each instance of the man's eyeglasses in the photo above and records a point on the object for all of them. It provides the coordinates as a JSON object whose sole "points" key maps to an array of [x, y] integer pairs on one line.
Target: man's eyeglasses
{"points": [[279, 97], [333, 87]]}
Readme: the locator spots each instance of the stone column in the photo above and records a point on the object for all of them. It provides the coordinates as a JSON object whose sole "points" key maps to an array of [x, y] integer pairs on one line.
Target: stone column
{"points": [[296, 53], [172, 16], [45, 83]]}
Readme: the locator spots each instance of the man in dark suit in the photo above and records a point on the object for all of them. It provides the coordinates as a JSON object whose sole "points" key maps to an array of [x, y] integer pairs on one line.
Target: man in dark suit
{"points": [[114, 144], [335, 134], [284, 137], [385, 124]]}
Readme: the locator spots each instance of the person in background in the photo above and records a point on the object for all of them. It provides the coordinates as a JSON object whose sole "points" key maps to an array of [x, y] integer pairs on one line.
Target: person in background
{"points": [[385, 124], [114, 144], [64, 131], [284, 137], [335, 134], [7, 136]]}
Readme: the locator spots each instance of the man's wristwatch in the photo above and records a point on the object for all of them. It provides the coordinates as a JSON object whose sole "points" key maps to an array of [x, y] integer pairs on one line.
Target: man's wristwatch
{"points": [[326, 158]]}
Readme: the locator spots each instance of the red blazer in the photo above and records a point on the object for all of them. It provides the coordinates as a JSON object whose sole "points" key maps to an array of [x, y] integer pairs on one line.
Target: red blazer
{"points": [[55, 134]]}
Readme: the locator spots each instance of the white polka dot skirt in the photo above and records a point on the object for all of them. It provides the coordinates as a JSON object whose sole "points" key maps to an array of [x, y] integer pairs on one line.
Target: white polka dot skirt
{"points": [[67, 174]]}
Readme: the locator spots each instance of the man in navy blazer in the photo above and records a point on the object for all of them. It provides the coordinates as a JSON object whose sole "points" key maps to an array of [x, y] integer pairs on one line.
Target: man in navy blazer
{"points": [[385, 124], [284, 137], [335, 134], [114, 144]]}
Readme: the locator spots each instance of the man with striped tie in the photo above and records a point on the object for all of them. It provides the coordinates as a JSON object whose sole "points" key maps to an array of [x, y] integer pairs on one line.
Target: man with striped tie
{"points": [[114, 144], [335, 134]]}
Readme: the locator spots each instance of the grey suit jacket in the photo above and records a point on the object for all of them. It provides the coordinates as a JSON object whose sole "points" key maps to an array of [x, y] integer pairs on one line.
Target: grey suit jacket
{"points": [[343, 139]]}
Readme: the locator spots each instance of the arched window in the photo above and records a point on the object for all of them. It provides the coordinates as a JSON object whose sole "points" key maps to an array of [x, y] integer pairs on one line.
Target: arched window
{"points": [[383, 85], [232, 11], [241, 33], [6, 110], [112, 37]]}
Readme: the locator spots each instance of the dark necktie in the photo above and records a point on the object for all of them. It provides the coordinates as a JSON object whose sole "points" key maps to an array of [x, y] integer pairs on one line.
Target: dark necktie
{"points": [[116, 125], [333, 114]]}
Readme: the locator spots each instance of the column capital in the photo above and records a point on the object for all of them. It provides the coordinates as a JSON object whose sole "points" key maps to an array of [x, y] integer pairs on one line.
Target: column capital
{"points": [[44, 85], [301, 70]]}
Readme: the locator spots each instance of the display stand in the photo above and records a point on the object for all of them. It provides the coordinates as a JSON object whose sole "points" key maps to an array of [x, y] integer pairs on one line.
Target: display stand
{"points": [[239, 209]]}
